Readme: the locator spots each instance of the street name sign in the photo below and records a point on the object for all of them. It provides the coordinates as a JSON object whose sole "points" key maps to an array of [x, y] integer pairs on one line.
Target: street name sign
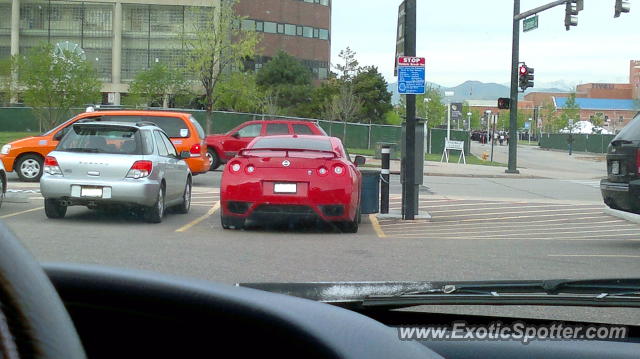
{"points": [[530, 23], [411, 75]]}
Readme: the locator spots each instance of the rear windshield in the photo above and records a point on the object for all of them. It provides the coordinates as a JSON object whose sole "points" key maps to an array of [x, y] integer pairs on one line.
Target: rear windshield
{"points": [[631, 131], [320, 144], [173, 126], [102, 139]]}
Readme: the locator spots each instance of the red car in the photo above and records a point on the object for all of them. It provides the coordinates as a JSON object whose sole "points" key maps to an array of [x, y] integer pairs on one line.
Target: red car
{"points": [[221, 148], [292, 176]]}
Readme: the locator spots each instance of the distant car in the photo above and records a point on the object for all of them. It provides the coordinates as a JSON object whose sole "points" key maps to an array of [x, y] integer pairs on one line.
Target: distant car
{"points": [[292, 176], [221, 148], [26, 156], [103, 164], [621, 188]]}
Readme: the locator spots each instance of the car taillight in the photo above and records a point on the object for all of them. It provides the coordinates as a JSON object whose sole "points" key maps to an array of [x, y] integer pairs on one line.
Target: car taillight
{"points": [[338, 169], [140, 169], [51, 166], [638, 161], [235, 167], [322, 171], [250, 169], [195, 150]]}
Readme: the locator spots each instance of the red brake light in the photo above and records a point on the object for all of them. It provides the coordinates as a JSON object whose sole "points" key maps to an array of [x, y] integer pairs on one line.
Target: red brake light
{"points": [[50, 161], [195, 149], [235, 167], [140, 169], [322, 171], [638, 161], [338, 169]]}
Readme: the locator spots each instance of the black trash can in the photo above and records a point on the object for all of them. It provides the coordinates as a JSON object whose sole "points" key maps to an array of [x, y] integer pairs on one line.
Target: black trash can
{"points": [[370, 191]]}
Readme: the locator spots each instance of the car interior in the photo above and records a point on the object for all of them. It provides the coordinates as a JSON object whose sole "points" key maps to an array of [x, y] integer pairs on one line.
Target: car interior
{"points": [[69, 311]]}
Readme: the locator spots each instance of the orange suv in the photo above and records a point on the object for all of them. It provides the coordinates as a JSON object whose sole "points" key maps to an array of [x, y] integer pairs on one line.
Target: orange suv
{"points": [[26, 156]]}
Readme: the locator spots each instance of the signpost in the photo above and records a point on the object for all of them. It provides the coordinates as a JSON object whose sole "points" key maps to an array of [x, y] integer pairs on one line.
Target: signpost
{"points": [[453, 145], [530, 23], [411, 75]]}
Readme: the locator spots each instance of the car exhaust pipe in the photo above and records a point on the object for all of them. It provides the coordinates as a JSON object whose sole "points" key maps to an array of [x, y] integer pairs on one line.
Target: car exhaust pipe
{"points": [[65, 203]]}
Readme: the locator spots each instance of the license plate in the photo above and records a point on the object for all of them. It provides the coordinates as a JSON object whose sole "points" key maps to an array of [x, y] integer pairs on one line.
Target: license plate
{"points": [[90, 192], [615, 167], [285, 188]]}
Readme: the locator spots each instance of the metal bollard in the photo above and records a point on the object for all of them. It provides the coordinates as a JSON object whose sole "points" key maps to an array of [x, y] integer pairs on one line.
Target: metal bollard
{"points": [[384, 173]]}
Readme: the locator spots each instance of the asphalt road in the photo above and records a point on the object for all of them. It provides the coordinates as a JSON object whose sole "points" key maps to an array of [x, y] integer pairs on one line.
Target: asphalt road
{"points": [[481, 229]]}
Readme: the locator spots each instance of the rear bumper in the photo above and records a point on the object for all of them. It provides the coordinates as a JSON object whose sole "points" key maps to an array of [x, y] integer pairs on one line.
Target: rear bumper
{"points": [[141, 192], [198, 165], [625, 196]]}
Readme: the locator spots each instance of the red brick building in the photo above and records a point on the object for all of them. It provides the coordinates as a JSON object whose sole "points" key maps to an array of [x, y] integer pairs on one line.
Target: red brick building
{"points": [[302, 28]]}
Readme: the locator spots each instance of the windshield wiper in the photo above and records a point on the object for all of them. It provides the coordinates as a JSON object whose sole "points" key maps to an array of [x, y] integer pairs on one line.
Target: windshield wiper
{"points": [[81, 149], [390, 295]]}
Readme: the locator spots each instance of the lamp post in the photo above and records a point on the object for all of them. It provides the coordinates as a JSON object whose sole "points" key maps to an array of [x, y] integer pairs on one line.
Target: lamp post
{"points": [[469, 114]]}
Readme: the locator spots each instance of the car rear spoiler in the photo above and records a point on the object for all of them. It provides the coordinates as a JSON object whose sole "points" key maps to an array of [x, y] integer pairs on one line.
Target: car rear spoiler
{"points": [[244, 152]]}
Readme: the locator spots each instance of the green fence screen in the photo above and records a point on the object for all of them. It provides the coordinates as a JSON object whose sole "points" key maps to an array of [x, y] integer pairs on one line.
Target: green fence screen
{"points": [[581, 143]]}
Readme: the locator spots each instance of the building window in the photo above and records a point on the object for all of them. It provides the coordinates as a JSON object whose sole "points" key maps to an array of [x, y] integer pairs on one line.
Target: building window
{"points": [[280, 28], [249, 25], [324, 2], [307, 31], [324, 34], [270, 27], [259, 26], [323, 73], [316, 33], [290, 29]]}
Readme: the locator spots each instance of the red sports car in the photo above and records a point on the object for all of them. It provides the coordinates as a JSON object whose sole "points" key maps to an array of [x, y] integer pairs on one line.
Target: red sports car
{"points": [[292, 176]]}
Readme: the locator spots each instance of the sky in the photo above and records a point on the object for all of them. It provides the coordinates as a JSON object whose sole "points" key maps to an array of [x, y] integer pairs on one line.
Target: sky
{"points": [[471, 40]]}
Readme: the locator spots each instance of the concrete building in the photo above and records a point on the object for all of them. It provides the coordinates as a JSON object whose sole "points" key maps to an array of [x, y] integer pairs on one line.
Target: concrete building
{"points": [[122, 38]]}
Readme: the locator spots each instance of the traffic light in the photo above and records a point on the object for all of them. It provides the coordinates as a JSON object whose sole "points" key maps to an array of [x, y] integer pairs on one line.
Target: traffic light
{"points": [[572, 9], [526, 76], [622, 6], [504, 103]]}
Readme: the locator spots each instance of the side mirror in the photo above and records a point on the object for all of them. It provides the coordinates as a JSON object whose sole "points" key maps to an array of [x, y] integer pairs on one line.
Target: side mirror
{"points": [[184, 155], [359, 160], [236, 135]]}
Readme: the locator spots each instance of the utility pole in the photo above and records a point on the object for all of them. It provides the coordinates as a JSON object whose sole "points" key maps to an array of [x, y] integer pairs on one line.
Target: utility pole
{"points": [[410, 188], [513, 113]]}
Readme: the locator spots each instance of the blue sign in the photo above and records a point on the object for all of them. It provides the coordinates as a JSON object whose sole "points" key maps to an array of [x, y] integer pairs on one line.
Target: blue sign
{"points": [[527, 125], [411, 80]]}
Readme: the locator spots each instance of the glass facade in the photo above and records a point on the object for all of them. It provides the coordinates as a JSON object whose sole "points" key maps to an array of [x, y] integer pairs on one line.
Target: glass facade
{"points": [[150, 33], [84, 23]]}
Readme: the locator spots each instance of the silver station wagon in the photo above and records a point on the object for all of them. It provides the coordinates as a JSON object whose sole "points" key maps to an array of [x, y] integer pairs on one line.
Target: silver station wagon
{"points": [[106, 164]]}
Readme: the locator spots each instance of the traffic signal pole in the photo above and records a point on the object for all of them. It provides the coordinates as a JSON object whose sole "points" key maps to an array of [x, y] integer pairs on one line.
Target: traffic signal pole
{"points": [[513, 112], [410, 188]]}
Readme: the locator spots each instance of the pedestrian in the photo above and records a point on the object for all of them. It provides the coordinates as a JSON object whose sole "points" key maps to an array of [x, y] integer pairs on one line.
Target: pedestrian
{"points": [[506, 138], [501, 139]]}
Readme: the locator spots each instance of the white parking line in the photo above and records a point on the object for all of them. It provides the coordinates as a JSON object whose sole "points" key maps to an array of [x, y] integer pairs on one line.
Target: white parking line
{"points": [[595, 255], [437, 230], [21, 212]]}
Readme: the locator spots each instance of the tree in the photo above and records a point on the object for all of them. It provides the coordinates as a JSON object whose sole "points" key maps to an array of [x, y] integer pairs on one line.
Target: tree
{"points": [[153, 87], [549, 118], [430, 106], [6, 67], [53, 84], [239, 92], [570, 111], [371, 88], [598, 119], [349, 64], [215, 46], [288, 80], [343, 107]]}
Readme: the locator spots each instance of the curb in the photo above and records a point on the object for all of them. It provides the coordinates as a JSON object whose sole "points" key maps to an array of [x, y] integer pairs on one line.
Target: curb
{"points": [[476, 175], [627, 216]]}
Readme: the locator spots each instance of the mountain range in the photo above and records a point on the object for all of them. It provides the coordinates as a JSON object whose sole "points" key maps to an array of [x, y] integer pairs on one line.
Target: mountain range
{"points": [[477, 90]]}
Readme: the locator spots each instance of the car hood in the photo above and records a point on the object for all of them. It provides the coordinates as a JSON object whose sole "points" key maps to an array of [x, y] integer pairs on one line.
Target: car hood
{"points": [[25, 140]]}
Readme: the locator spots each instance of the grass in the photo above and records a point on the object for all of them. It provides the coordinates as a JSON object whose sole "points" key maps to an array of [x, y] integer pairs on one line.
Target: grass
{"points": [[435, 157], [6, 137]]}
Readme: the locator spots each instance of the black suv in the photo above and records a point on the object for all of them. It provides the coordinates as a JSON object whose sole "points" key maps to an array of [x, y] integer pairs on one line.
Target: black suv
{"points": [[621, 188]]}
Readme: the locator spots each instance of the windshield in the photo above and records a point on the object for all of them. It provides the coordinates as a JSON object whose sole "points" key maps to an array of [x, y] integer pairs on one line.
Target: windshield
{"points": [[322, 144], [175, 127], [350, 154], [101, 139]]}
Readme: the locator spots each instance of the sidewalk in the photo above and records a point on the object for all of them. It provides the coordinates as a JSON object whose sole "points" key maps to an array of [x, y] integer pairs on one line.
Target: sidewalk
{"points": [[432, 168]]}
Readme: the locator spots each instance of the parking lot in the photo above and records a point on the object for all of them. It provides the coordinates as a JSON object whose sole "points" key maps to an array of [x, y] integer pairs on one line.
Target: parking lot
{"points": [[466, 238]]}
